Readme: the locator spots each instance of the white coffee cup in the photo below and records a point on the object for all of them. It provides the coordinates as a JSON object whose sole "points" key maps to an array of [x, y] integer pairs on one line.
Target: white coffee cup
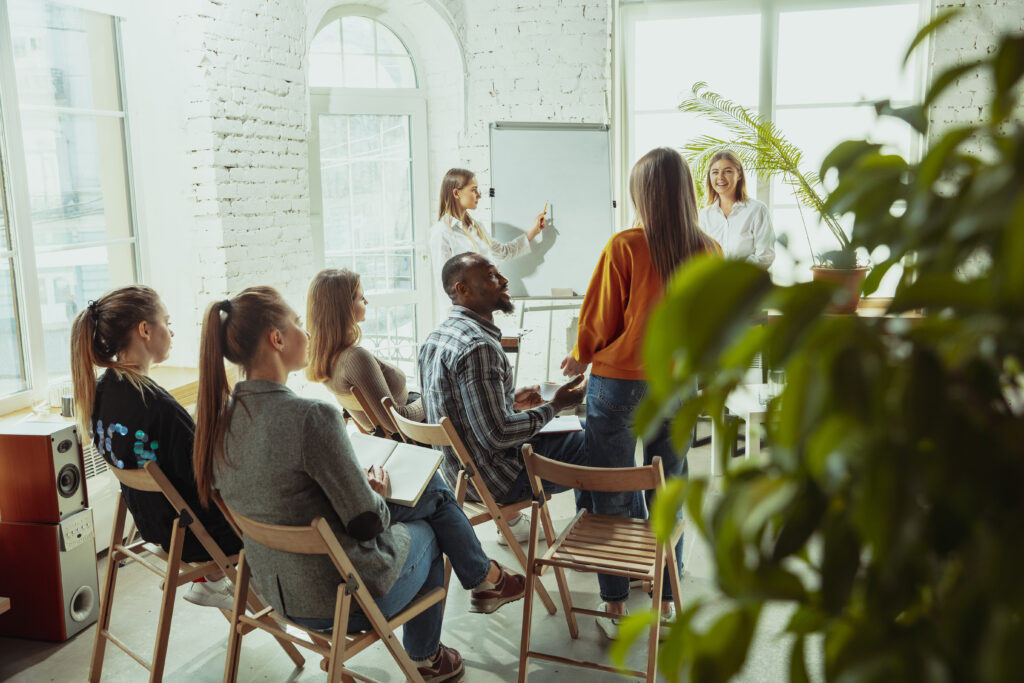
{"points": [[548, 389]]}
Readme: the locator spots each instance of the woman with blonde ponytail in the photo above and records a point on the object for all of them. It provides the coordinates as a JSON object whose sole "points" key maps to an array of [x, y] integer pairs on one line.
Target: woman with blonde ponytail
{"points": [[284, 459], [132, 420]]}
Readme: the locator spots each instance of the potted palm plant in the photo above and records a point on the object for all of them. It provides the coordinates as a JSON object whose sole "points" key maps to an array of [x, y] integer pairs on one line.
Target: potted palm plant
{"points": [[765, 151]]}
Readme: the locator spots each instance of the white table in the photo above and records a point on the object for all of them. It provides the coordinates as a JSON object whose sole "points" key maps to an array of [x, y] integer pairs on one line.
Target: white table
{"points": [[744, 402]]}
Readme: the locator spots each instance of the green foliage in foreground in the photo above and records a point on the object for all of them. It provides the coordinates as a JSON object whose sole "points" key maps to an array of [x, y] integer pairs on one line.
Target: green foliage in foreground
{"points": [[890, 514]]}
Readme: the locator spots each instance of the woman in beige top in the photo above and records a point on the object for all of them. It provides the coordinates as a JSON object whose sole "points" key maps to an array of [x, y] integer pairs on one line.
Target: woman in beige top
{"points": [[334, 308]]}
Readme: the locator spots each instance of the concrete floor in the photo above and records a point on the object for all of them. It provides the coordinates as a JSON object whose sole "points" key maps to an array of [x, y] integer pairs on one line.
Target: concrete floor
{"points": [[489, 644]]}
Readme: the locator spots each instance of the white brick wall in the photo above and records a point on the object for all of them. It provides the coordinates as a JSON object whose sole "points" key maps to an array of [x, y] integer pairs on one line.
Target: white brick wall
{"points": [[246, 136], [970, 36], [533, 60]]}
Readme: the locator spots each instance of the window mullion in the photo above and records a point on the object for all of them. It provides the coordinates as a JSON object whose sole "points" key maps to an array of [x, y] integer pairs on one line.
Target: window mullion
{"points": [[20, 222], [766, 93]]}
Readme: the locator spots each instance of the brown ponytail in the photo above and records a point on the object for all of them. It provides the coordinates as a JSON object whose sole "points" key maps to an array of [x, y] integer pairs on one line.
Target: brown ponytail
{"points": [[232, 330], [98, 334]]}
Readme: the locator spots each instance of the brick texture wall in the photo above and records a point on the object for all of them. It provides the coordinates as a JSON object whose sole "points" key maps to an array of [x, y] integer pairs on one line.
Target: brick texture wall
{"points": [[245, 128], [971, 35]]}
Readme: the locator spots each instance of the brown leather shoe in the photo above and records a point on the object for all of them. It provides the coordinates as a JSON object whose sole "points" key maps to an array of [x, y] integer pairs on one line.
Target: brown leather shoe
{"points": [[510, 587], [447, 666]]}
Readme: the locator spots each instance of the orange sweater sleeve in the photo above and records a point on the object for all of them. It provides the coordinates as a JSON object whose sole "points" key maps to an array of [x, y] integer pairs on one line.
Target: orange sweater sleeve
{"points": [[603, 312]]}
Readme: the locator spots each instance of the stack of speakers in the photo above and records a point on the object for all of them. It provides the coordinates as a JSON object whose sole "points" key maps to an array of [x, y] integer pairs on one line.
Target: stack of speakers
{"points": [[47, 541]]}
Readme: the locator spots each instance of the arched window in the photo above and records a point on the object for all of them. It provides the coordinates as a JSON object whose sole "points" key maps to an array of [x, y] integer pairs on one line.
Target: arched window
{"points": [[358, 52], [368, 175]]}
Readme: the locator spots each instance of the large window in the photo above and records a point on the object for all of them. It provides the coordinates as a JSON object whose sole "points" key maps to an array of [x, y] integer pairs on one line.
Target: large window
{"points": [[68, 228], [367, 157], [813, 67]]}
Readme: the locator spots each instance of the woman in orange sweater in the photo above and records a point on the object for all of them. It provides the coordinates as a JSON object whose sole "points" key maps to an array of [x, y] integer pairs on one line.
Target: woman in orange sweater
{"points": [[628, 282]]}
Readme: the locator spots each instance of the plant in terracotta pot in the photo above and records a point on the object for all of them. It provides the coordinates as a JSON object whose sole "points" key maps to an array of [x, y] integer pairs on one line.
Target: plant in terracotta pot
{"points": [[764, 150]]}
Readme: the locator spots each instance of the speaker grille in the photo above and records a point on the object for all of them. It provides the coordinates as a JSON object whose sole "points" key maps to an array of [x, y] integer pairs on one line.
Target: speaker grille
{"points": [[94, 462]]}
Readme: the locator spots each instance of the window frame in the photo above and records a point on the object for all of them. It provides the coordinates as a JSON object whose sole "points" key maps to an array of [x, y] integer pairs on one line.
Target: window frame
{"points": [[631, 12], [411, 102], [23, 253]]}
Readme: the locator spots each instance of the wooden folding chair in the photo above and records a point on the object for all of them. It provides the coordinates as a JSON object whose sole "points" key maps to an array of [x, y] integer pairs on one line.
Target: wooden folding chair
{"points": [[621, 546], [174, 573], [444, 434], [337, 646]]}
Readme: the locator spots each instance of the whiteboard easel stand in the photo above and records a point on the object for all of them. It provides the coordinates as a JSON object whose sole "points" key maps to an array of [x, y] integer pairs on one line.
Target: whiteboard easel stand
{"points": [[550, 308]]}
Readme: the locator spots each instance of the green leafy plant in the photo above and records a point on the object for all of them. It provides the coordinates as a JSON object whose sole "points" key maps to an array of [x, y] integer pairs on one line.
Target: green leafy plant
{"points": [[888, 515], [766, 152]]}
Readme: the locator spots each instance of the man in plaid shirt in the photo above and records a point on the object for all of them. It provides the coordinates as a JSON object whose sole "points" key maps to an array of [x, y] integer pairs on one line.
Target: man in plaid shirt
{"points": [[465, 376]]}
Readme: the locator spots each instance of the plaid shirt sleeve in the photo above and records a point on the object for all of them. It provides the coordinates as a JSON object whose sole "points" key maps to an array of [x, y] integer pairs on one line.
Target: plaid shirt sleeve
{"points": [[488, 404]]}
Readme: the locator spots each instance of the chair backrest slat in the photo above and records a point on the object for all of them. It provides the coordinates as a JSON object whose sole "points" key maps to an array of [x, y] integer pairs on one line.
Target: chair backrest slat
{"points": [[375, 415], [429, 434], [302, 540], [139, 479], [605, 479]]}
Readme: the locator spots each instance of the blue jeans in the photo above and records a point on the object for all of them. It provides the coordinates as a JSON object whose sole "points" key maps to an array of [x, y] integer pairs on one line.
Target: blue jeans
{"points": [[568, 448], [423, 571], [455, 535], [611, 442], [438, 527]]}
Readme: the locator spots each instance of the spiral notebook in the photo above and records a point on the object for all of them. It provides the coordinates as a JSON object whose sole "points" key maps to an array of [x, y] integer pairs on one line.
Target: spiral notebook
{"points": [[410, 467]]}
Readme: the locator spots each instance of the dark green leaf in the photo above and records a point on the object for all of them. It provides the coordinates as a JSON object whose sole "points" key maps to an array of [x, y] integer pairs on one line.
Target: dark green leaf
{"points": [[840, 563], [914, 115], [938, 290]]}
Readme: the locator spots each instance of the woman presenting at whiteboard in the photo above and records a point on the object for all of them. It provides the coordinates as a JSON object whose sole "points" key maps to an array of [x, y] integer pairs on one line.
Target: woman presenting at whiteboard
{"points": [[457, 232]]}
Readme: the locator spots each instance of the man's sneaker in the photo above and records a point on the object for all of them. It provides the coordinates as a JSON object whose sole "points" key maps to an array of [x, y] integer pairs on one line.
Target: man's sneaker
{"points": [[447, 666], [520, 529], [219, 594], [609, 626], [510, 587]]}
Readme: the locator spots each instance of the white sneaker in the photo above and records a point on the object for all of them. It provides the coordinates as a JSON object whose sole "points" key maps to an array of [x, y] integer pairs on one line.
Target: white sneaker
{"points": [[520, 529], [219, 594], [609, 626], [666, 623]]}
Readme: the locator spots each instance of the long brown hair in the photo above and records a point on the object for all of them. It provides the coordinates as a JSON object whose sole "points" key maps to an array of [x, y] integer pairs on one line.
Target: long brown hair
{"points": [[99, 333], [661, 187], [741, 183], [232, 330], [454, 179], [332, 329]]}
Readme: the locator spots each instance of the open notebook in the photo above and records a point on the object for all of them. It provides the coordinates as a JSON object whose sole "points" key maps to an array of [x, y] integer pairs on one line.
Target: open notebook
{"points": [[410, 467]]}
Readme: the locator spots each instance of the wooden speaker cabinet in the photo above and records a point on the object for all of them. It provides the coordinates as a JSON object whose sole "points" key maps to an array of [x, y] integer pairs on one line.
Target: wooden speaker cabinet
{"points": [[49, 573], [42, 472]]}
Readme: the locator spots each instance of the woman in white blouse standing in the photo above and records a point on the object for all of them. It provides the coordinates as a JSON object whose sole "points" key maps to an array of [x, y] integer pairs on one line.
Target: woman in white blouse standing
{"points": [[740, 224], [457, 232]]}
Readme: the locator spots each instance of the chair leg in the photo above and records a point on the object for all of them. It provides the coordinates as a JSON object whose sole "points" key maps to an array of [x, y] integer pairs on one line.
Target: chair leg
{"points": [[652, 642], [235, 638], [673, 575], [335, 669], [163, 629], [107, 598], [255, 604], [524, 642], [517, 550], [563, 593]]}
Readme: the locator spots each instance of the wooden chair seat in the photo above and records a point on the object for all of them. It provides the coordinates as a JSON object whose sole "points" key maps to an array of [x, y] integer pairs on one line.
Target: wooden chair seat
{"points": [[612, 545]]}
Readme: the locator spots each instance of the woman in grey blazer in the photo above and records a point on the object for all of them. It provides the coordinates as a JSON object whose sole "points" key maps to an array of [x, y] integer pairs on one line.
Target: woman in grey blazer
{"points": [[284, 459]]}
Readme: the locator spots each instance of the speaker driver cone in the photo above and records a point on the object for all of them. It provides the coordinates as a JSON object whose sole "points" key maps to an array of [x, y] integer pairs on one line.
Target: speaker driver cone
{"points": [[82, 603], [68, 480]]}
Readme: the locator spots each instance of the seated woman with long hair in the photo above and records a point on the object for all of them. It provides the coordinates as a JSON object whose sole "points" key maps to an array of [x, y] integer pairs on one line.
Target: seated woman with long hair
{"points": [[133, 420], [284, 459], [334, 308]]}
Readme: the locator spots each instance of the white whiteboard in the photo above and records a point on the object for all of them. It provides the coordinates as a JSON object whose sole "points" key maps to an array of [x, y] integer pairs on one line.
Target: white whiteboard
{"points": [[569, 166]]}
